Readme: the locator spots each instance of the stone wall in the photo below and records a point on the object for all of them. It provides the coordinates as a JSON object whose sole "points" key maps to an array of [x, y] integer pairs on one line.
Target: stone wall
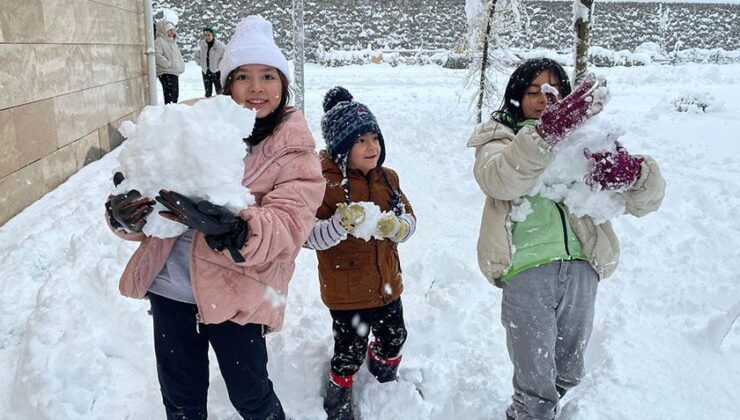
{"points": [[70, 72]]}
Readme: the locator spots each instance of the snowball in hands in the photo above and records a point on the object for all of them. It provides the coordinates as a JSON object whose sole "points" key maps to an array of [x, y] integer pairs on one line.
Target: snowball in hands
{"points": [[564, 178], [194, 150], [368, 228]]}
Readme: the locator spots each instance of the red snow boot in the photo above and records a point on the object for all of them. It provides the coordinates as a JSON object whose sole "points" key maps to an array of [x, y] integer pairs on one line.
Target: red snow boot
{"points": [[384, 370], [338, 398]]}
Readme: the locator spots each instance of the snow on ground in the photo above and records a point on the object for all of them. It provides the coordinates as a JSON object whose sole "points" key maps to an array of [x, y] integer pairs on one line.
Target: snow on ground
{"points": [[666, 342]]}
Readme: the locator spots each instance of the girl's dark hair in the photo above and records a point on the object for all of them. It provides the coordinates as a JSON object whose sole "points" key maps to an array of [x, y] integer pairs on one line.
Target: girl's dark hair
{"points": [[264, 127], [518, 83]]}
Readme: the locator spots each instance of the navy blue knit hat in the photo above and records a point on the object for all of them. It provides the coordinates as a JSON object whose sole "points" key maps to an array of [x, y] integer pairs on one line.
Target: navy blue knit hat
{"points": [[344, 121]]}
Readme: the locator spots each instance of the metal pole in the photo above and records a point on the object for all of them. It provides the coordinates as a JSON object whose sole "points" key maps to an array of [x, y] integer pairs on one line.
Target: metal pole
{"points": [[298, 53], [150, 52]]}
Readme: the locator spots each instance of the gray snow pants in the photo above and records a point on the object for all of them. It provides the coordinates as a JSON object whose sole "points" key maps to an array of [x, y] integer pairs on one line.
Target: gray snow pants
{"points": [[548, 313]]}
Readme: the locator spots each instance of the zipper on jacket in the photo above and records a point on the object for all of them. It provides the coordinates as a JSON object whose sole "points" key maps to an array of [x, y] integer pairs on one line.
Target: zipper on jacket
{"points": [[565, 230], [197, 322], [377, 243]]}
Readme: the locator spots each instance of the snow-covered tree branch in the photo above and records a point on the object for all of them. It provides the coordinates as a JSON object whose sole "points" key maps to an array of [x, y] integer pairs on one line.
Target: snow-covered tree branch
{"points": [[582, 16]]}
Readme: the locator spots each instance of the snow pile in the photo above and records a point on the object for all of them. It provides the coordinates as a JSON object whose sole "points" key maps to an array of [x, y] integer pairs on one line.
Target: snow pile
{"points": [[368, 55], [194, 150], [697, 103], [604, 57]]}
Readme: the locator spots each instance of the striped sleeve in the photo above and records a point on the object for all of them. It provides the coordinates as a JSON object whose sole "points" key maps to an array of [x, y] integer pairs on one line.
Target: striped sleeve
{"points": [[409, 219], [325, 234]]}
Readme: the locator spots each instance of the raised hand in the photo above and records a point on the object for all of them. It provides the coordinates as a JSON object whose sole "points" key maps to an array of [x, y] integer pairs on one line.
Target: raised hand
{"points": [[561, 117], [610, 171]]}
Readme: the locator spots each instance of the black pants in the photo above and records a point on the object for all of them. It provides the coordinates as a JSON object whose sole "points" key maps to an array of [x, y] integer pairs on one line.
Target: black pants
{"points": [[210, 80], [182, 363], [351, 330], [170, 87]]}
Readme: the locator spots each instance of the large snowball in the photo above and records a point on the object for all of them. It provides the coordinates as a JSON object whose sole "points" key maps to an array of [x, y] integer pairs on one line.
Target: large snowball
{"points": [[194, 150]]}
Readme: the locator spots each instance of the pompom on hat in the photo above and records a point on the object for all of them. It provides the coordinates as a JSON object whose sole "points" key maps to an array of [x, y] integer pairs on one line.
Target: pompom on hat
{"points": [[344, 121], [252, 43], [334, 96]]}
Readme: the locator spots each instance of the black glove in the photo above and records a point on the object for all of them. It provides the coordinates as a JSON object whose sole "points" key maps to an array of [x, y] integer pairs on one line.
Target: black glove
{"points": [[222, 229], [129, 211]]}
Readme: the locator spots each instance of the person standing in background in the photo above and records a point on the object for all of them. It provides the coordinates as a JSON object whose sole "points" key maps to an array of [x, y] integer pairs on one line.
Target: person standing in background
{"points": [[169, 60], [208, 57]]}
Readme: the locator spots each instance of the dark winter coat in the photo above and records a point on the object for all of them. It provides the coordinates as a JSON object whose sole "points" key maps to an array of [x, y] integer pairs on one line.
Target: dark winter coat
{"points": [[359, 274]]}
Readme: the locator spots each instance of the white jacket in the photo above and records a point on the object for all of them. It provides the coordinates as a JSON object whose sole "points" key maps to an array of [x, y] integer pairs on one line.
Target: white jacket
{"points": [[168, 57], [214, 58]]}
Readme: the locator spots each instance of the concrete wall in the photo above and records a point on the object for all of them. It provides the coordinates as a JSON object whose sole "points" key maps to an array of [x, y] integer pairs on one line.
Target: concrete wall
{"points": [[70, 72]]}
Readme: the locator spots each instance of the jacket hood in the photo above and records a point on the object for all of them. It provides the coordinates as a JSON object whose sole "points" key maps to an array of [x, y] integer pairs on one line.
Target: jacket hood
{"points": [[162, 28], [292, 134], [489, 131]]}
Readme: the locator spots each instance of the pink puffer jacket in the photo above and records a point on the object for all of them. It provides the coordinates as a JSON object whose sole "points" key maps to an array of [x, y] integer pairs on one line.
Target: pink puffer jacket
{"points": [[284, 175]]}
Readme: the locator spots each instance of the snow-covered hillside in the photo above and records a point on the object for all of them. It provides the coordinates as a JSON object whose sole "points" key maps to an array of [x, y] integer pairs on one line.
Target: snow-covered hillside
{"points": [[441, 24], [666, 342]]}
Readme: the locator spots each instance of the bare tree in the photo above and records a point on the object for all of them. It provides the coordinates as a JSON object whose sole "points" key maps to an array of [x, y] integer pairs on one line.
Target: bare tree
{"points": [[299, 56], [486, 42], [582, 14], [487, 20]]}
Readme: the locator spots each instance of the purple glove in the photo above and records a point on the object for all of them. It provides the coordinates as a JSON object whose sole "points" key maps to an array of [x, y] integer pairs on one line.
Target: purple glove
{"points": [[608, 171], [561, 117]]}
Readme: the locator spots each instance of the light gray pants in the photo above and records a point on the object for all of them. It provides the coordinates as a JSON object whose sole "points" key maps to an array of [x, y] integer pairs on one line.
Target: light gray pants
{"points": [[548, 313]]}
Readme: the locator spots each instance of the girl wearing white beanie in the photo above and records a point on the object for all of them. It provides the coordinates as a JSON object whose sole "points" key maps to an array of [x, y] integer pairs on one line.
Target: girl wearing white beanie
{"points": [[235, 269], [252, 58]]}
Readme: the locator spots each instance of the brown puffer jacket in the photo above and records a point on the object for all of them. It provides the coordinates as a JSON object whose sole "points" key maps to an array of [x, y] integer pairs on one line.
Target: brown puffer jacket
{"points": [[359, 274]]}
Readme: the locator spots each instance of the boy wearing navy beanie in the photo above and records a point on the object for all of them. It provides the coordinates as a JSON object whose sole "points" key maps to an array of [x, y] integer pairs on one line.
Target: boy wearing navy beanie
{"points": [[359, 273]]}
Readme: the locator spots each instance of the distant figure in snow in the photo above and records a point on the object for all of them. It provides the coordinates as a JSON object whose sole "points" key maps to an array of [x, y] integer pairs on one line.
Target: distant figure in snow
{"points": [[360, 279], [169, 60], [225, 280], [209, 55], [549, 265]]}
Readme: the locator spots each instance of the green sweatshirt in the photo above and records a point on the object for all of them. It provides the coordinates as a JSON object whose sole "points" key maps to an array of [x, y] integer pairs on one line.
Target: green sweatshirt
{"points": [[544, 236]]}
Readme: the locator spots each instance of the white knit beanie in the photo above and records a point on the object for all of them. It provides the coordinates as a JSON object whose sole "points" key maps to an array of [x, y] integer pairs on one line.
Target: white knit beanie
{"points": [[252, 43]]}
